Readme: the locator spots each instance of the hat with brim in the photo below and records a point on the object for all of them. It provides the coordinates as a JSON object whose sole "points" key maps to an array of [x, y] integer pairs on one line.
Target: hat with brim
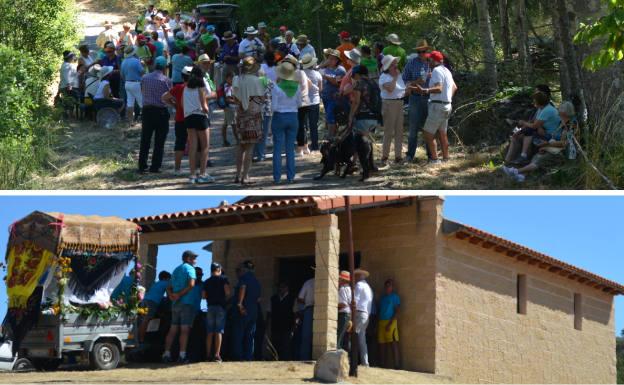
{"points": [[302, 39], [286, 71], [332, 52], [105, 71], [249, 65], [387, 61], [394, 39], [262, 24], [422, 45], [251, 31], [345, 276], [95, 69], [308, 61], [354, 55], [361, 272], [130, 50], [291, 59], [228, 35], [189, 254], [108, 24], [204, 58]]}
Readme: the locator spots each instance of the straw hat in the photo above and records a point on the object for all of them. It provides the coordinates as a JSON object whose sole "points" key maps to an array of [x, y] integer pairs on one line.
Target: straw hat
{"points": [[127, 25], [308, 61], [204, 58], [228, 35], [345, 275], [95, 69], [262, 24], [387, 61], [302, 39], [286, 71], [394, 39], [361, 272], [105, 71], [292, 60], [108, 24], [332, 52], [251, 31], [354, 55], [249, 65], [422, 45]]}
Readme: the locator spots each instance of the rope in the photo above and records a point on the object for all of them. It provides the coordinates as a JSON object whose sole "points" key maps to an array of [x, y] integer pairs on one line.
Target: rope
{"points": [[611, 185]]}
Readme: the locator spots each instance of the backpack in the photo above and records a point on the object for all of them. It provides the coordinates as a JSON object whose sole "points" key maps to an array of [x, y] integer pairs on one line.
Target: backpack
{"points": [[374, 102], [221, 101]]}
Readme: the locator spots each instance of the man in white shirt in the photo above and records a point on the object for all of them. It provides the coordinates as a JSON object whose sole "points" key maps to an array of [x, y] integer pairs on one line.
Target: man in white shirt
{"points": [[441, 93], [306, 299], [363, 307], [344, 310], [251, 45]]}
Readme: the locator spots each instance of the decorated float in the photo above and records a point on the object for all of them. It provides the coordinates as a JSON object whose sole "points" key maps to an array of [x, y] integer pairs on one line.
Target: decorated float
{"points": [[73, 293]]}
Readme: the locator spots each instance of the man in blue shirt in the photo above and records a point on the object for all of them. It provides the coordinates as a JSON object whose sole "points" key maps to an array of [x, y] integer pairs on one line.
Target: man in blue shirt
{"points": [[183, 308], [387, 330], [417, 71], [123, 290], [132, 71], [152, 300], [246, 295]]}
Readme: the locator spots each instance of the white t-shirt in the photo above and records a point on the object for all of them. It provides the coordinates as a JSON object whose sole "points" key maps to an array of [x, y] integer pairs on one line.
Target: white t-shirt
{"points": [[69, 76], [250, 47], [441, 75], [313, 92], [269, 72], [280, 102], [363, 297], [100, 91], [92, 84], [307, 292], [399, 90], [344, 297], [192, 104]]}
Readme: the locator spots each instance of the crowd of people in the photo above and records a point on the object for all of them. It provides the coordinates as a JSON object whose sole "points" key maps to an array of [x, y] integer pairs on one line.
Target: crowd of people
{"points": [[233, 319], [272, 91]]}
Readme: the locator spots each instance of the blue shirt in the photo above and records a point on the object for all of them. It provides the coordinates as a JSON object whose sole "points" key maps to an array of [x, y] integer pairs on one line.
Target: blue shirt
{"points": [[196, 294], [330, 90], [387, 304], [414, 70], [132, 70], [226, 50], [252, 293], [178, 62], [160, 47], [157, 291], [123, 289], [179, 280], [551, 119]]}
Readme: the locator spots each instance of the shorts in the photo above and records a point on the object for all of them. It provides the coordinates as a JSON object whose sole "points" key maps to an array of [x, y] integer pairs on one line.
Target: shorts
{"points": [[215, 319], [229, 116], [438, 118], [387, 336], [197, 122], [181, 136], [365, 126], [133, 93], [152, 308], [182, 314], [330, 110]]}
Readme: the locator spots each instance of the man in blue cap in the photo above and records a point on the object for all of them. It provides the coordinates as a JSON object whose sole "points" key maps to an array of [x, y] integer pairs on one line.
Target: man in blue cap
{"points": [[155, 116]]}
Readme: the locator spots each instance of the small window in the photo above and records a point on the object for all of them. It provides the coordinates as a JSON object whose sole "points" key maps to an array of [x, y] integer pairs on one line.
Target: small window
{"points": [[521, 294], [578, 312]]}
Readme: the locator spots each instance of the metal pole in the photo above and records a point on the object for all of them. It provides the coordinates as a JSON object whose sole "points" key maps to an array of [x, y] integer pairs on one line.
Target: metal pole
{"points": [[353, 354]]}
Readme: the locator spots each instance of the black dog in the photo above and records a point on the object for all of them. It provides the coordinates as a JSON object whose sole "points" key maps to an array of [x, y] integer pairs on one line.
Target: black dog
{"points": [[337, 154]]}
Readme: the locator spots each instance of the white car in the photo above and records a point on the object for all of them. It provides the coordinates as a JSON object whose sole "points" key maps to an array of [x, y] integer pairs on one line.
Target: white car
{"points": [[8, 362]]}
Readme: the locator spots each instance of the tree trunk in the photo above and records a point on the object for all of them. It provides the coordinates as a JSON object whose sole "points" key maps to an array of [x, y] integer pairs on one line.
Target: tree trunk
{"points": [[503, 13], [572, 64], [487, 41], [520, 21], [564, 75]]}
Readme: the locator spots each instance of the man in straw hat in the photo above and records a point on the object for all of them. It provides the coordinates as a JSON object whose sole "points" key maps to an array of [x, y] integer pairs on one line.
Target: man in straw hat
{"points": [[229, 56], [304, 46], [132, 71], [332, 76], [107, 35], [251, 45], [344, 310], [263, 34], [417, 72], [363, 306], [395, 49]]}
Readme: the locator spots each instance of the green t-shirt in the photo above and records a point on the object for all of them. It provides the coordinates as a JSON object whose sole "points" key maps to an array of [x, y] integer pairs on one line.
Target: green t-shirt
{"points": [[397, 51], [371, 64]]}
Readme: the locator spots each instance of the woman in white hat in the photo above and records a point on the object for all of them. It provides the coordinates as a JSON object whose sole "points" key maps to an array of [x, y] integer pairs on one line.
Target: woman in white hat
{"points": [[332, 76], [248, 90], [104, 95], [310, 109], [286, 100], [393, 90]]}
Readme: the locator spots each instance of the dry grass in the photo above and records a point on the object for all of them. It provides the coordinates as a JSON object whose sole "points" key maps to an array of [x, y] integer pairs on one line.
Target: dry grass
{"points": [[211, 373]]}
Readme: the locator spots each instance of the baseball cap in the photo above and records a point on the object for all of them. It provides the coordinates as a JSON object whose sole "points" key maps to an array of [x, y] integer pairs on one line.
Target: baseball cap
{"points": [[283, 28], [215, 266], [344, 35], [187, 253], [160, 62], [436, 56]]}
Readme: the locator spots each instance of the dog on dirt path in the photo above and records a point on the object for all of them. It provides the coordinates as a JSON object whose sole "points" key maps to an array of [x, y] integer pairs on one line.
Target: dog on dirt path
{"points": [[337, 154]]}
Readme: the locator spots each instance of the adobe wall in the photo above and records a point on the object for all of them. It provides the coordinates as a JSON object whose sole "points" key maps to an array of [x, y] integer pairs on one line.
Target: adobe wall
{"points": [[393, 242], [481, 338]]}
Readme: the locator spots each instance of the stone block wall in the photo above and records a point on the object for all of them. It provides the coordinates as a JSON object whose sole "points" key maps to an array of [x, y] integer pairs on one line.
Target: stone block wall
{"points": [[481, 338]]}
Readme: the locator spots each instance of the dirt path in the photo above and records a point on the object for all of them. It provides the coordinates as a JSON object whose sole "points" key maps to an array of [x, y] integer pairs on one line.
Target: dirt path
{"points": [[92, 158], [210, 373]]}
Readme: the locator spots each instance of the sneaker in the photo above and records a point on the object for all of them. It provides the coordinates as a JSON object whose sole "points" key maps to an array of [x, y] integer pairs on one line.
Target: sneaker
{"points": [[435, 162], [184, 360], [522, 159], [192, 180], [167, 359], [520, 178], [205, 179], [510, 171], [218, 359]]}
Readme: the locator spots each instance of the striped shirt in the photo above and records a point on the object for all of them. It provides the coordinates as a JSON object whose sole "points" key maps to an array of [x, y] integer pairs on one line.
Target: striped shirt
{"points": [[413, 69], [153, 87]]}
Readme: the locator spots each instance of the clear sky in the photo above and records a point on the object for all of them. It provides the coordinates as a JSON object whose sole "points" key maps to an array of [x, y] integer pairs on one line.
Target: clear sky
{"points": [[584, 231]]}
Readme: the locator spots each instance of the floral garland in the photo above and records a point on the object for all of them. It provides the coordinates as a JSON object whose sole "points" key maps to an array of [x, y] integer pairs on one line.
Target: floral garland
{"points": [[104, 311]]}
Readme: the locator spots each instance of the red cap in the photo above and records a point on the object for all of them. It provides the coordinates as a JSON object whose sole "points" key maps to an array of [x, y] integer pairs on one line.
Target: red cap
{"points": [[283, 28], [344, 35], [141, 38], [436, 56]]}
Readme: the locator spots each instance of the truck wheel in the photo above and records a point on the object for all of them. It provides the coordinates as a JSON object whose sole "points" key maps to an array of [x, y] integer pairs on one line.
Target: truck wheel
{"points": [[46, 365], [23, 365], [105, 356]]}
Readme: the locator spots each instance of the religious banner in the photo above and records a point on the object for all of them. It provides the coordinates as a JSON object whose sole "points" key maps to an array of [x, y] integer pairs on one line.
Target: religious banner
{"points": [[27, 263]]}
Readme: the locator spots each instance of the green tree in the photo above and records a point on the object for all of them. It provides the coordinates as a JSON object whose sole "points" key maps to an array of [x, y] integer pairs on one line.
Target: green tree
{"points": [[608, 31]]}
